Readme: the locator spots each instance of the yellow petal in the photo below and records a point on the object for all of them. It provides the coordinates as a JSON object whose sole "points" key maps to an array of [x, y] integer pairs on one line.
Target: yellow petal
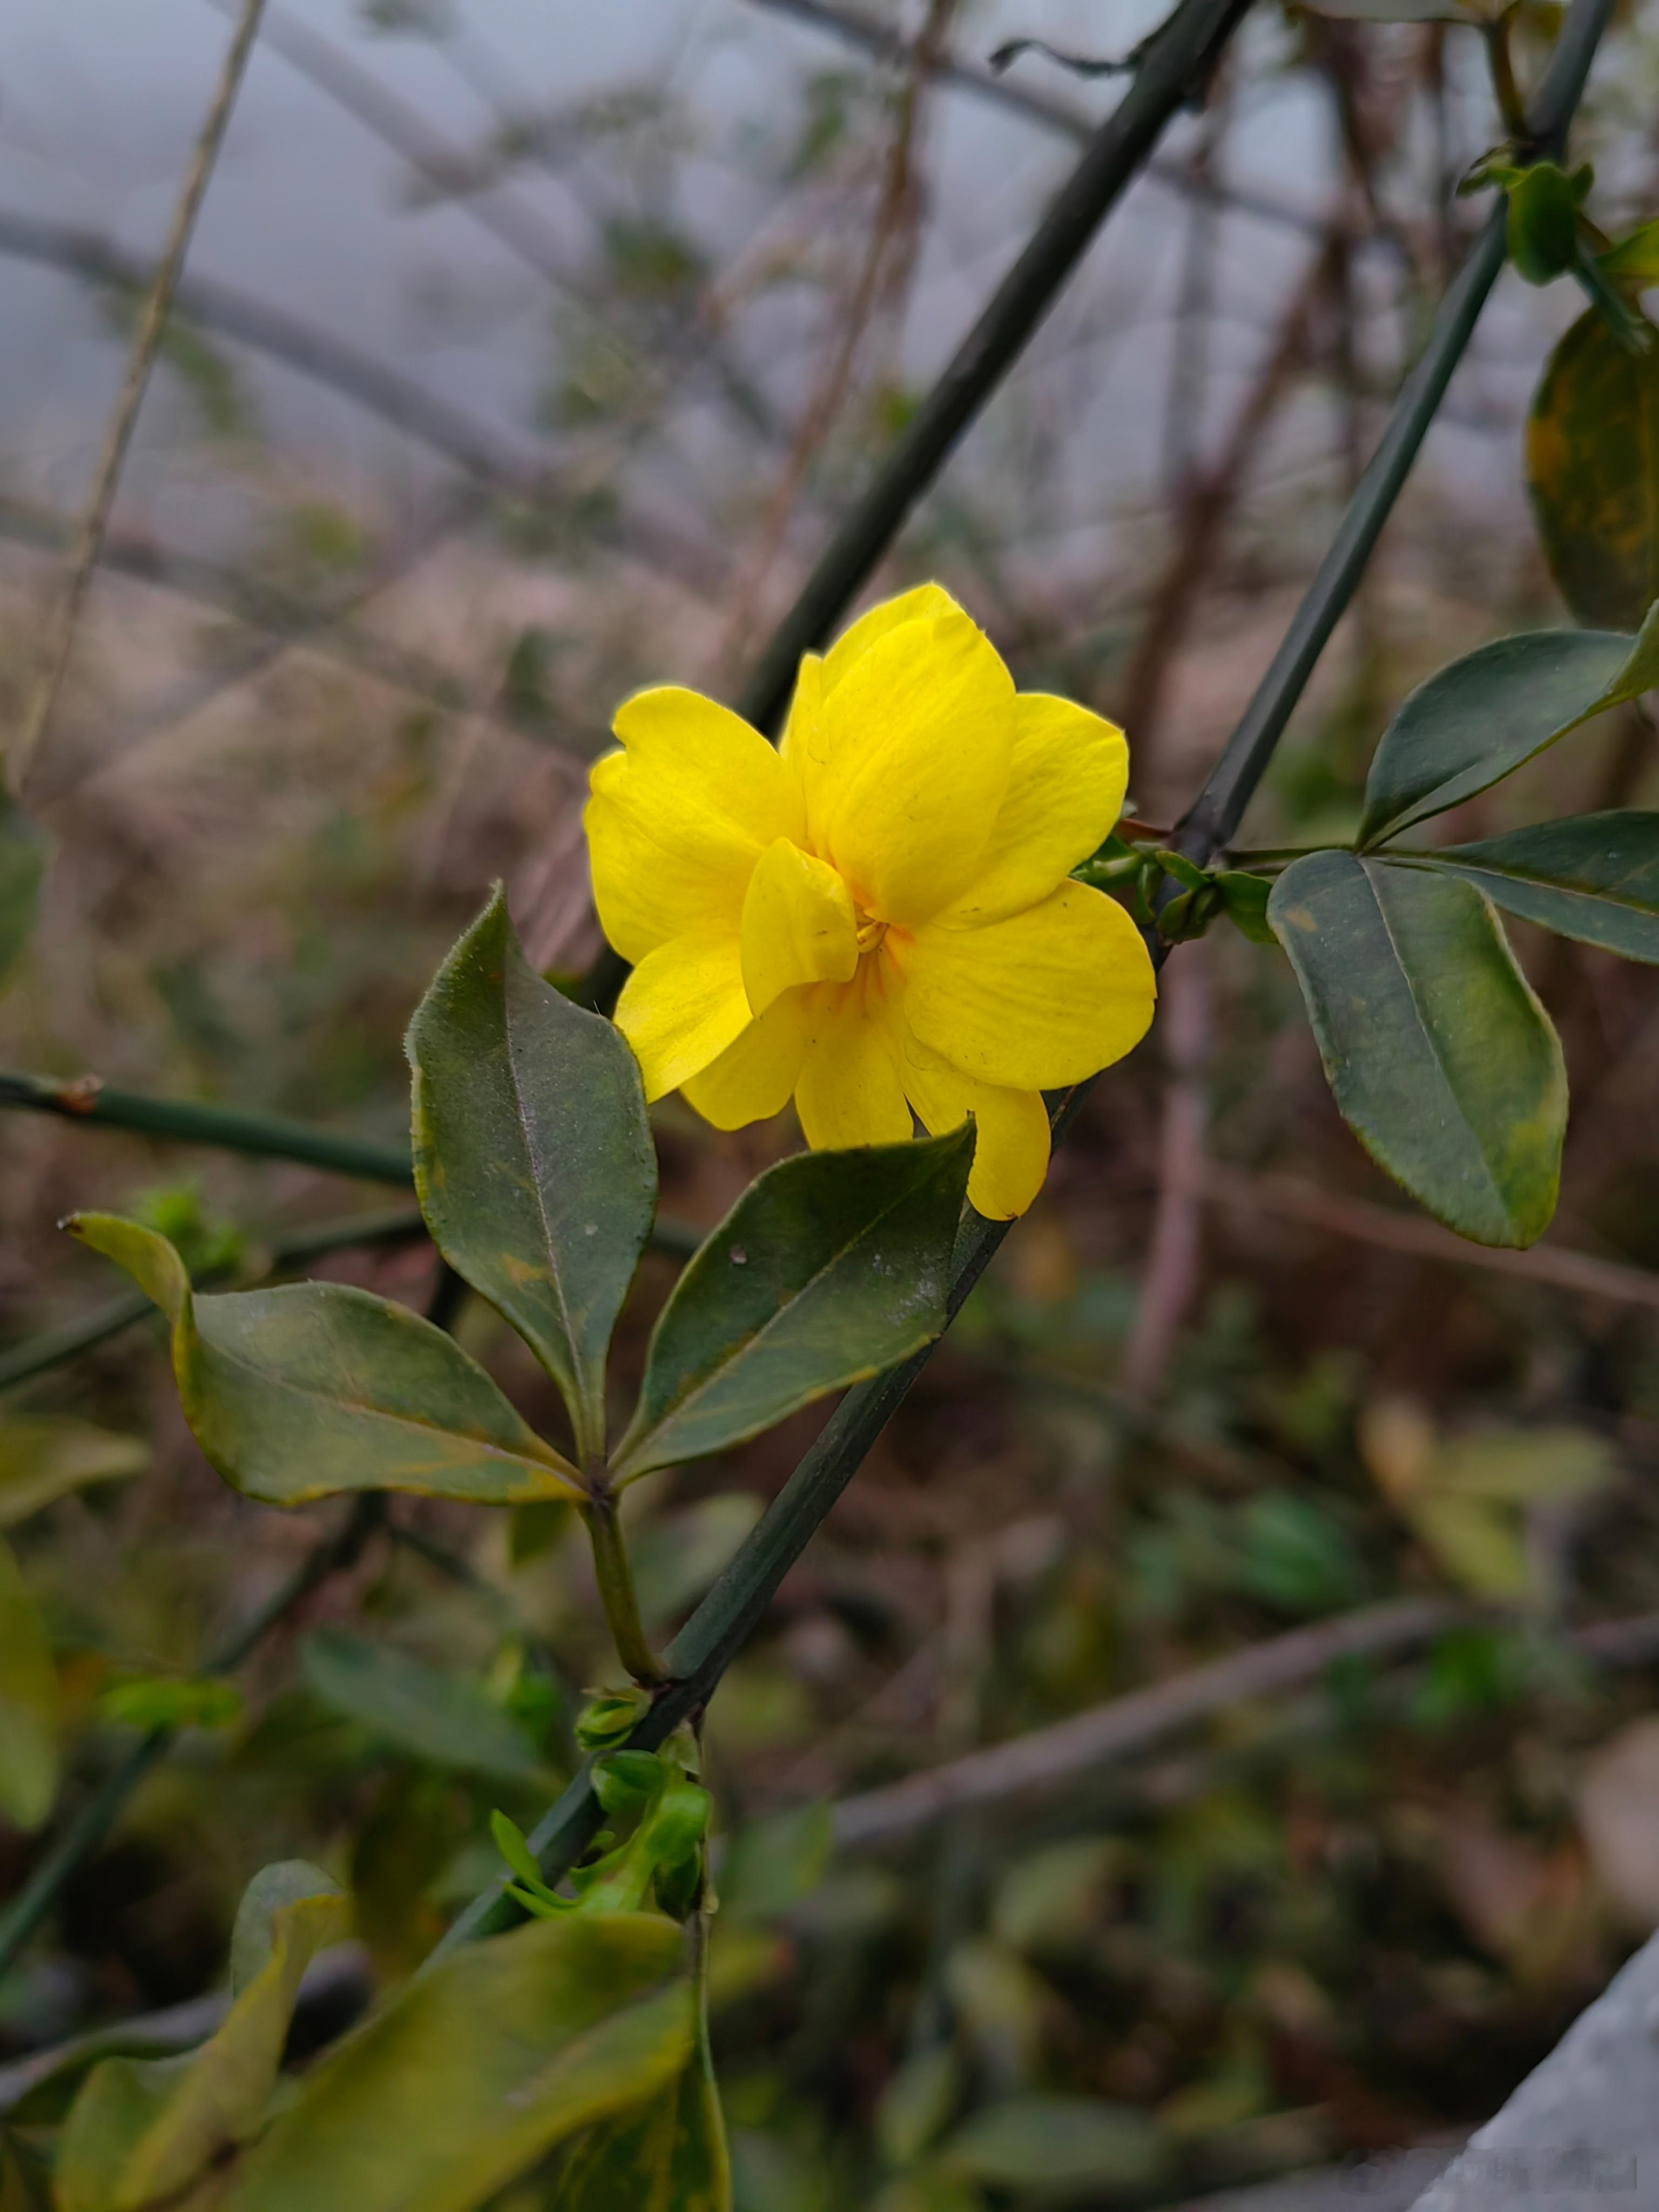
{"points": [[798, 924], [849, 1091], [1065, 792], [916, 739], [1041, 999], [679, 818], [858, 637], [681, 1006], [753, 1079], [1011, 1129]]}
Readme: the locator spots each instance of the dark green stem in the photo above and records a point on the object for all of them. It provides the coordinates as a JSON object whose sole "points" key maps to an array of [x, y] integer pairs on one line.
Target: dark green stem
{"points": [[1211, 821], [616, 1579], [270, 1136], [704, 1648], [1500, 59]]}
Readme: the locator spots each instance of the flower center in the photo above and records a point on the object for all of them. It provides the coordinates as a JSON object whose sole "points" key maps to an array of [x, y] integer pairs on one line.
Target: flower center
{"points": [[869, 933]]}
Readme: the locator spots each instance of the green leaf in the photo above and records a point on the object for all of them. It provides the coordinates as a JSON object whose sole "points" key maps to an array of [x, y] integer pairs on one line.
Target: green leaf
{"points": [[1635, 259], [172, 1701], [1595, 877], [295, 1393], [23, 854], [44, 1456], [1056, 2146], [1481, 718], [1522, 1466], [29, 1703], [1437, 1053], [1244, 900], [481, 2067], [140, 2132], [1593, 471], [258, 1923], [670, 2158], [917, 2104], [1543, 219], [830, 1268], [532, 1156], [1480, 1546], [444, 1718]]}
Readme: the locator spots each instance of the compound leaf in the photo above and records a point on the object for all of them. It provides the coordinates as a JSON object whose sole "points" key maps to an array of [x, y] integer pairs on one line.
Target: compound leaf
{"points": [[295, 1393], [1438, 1055]]}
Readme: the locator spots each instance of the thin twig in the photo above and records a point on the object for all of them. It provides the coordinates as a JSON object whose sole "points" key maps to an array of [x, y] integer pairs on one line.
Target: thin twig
{"points": [[1125, 1726], [1366, 1223], [145, 344]]}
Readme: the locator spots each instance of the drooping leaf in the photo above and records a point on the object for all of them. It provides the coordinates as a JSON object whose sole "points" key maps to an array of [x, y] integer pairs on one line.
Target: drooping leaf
{"points": [[533, 1159], [295, 1393], [481, 2067], [29, 1703], [1050, 2145], [23, 854], [141, 2132], [1482, 717], [1593, 471], [671, 2157], [43, 1456], [1635, 259], [830, 1268], [1438, 1055], [1595, 877], [442, 1718]]}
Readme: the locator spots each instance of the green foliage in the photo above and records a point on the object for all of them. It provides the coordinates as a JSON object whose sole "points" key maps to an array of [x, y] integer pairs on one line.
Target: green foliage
{"points": [[446, 1719], [1486, 714], [532, 1156], [1593, 471], [177, 1211], [480, 2068], [829, 1268], [1057, 2147], [45, 1457], [28, 1703], [661, 1859], [1436, 1048], [1595, 877], [164, 1701], [295, 1393], [1544, 204], [142, 2132], [671, 2157]]}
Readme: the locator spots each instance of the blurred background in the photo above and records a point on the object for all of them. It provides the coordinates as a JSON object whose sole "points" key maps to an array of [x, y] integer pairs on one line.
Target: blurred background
{"points": [[527, 354]]}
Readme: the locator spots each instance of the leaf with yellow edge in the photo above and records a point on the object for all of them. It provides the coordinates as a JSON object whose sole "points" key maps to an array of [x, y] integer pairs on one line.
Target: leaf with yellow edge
{"points": [[1593, 471], [28, 1703], [295, 1393], [480, 2068], [140, 2134], [43, 1456], [671, 2157]]}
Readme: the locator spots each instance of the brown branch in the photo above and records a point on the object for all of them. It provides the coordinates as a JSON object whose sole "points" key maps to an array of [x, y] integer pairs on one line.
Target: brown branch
{"points": [[1210, 497], [145, 345], [1293, 1199], [1127, 1725]]}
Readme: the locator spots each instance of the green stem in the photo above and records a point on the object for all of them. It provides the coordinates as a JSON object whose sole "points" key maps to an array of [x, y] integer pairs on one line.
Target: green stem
{"points": [[615, 1580], [1500, 59], [270, 1136], [704, 1648]]}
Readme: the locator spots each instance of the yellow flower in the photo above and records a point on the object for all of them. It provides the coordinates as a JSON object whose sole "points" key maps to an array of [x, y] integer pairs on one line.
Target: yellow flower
{"points": [[875, 919]]}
